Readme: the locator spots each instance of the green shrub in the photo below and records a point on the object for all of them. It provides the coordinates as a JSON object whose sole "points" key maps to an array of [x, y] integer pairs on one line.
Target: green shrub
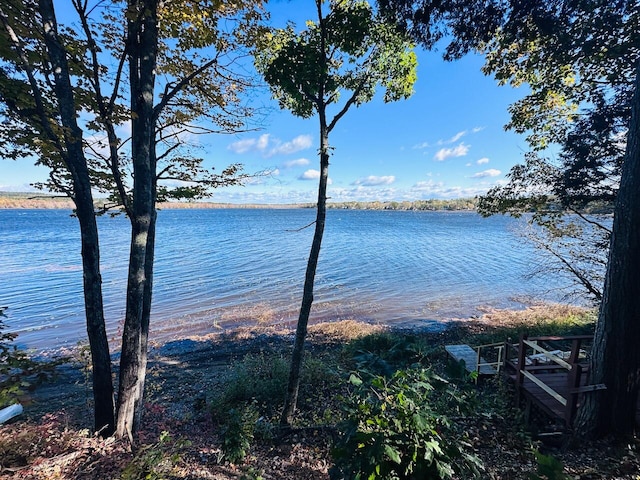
{"points": [[18, 372], [262, 379], [394, 432], [549, 468], [238, 432], [156, 461], [384, 353], [259, 378]]}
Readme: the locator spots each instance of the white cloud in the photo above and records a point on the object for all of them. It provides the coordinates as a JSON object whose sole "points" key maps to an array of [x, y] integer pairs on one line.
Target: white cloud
{"points": [[421, 146], [269, 146], [482, 161], [431, 189], [243, 146], [263, 141], [429, 185], [492, 172], [468, 164], [456, 137], [310, 175], [363, 194], [477, 129], [458, 151], [300, 162], [453, 139], [301, 142], [372, 181], [307, 193]]}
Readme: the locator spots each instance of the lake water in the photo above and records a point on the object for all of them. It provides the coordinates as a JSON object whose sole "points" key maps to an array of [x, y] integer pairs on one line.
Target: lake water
{"points": [[216, 269]]}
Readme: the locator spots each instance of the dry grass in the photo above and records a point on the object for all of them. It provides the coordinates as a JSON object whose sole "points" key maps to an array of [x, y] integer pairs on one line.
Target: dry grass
{"points": [[342, 331], [535, 314], [58, 446]]}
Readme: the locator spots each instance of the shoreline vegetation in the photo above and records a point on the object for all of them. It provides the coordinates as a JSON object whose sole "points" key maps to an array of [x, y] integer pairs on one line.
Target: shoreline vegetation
{"points": [[37, 200], [211, 401], [43, 201]]}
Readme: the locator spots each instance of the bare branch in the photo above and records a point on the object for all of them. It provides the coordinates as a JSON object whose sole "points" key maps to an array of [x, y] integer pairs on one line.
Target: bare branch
{"points": [[105, 109], [171, 93], [589, 221], [301, 228]]}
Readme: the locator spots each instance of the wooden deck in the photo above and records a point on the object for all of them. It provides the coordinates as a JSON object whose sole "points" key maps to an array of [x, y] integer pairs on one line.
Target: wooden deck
{"points": [[555, 381], [549, 372]]}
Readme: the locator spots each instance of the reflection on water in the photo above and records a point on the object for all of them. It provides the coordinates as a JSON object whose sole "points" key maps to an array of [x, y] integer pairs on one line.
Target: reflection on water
{"points": [[216, 269]]}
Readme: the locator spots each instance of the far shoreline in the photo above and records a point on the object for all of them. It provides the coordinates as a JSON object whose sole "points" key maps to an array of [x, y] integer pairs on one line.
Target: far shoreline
{"points": [[39, 201]]}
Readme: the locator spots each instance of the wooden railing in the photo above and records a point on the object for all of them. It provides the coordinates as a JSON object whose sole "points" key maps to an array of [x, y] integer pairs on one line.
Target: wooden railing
{"points": [[499, 354], [531, 366]]}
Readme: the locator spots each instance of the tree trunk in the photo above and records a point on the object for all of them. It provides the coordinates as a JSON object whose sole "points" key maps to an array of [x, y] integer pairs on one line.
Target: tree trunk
{"points": [[615, 359], [291, 398], [146, 301], [83, 199], [142, 37]]}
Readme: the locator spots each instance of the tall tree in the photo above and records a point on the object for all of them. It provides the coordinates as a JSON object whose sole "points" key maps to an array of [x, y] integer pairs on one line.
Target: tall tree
{"points": [[615, 357], [142, 51], [193, 48], [188, 95], [347, 51], [45, 112], [580, 61]]}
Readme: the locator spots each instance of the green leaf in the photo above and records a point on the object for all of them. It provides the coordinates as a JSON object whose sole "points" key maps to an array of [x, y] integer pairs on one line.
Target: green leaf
{"points": [[393, 454]]}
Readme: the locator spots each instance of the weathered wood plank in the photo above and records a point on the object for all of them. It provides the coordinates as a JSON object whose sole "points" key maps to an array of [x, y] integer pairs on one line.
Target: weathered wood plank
{"points": [[470, 358]]}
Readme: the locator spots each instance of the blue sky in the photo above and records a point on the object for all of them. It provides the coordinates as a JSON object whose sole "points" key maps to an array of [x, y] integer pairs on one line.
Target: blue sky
{"points": [[446, 141]]}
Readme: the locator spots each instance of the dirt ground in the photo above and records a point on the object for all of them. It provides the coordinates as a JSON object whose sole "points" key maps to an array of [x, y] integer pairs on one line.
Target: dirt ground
{"points": [[51, 440]]}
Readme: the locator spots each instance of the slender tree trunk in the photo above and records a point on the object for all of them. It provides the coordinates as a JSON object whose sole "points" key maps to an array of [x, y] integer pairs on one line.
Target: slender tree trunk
{"points": [[146, 305], [142, 37], [83, 199], [291, 398], [615, 359]]}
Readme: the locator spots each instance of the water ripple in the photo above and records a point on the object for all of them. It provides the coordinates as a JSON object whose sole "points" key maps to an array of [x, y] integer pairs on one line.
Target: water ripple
{"points": [[218, 268]]}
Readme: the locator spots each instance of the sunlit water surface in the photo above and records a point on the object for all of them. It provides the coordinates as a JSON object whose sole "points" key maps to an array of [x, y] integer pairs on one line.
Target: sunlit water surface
{"points": [[216, 269]]}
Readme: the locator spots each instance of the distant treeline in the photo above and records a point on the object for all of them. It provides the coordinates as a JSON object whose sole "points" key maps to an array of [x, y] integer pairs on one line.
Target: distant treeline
{"points": [[34, 200], [42, 201], [37, 200], [431, 205]]}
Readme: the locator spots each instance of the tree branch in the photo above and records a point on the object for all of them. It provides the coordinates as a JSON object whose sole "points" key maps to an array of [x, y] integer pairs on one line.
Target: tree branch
{"points": [[590, 222], [105, 109], [170, 94], [37, 93], [346, 106]]}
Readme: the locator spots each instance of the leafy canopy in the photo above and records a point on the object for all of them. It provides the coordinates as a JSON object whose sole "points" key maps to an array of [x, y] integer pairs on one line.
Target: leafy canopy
{"points": [[348, 49], [198, 82]]}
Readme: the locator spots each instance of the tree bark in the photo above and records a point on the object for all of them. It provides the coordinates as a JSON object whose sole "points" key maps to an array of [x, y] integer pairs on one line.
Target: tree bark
{"points": [[293, 387], [615, 359], [146, 300], [142, 36], [83, 199], [291, 398]]}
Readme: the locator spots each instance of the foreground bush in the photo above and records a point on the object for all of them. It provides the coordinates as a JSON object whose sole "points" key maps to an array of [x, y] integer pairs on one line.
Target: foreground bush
{"points": [[393, 431], [18, 372]]}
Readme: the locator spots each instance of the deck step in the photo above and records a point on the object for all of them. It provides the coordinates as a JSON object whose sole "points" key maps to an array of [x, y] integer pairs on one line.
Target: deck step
{"points": [[470, 358]]}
